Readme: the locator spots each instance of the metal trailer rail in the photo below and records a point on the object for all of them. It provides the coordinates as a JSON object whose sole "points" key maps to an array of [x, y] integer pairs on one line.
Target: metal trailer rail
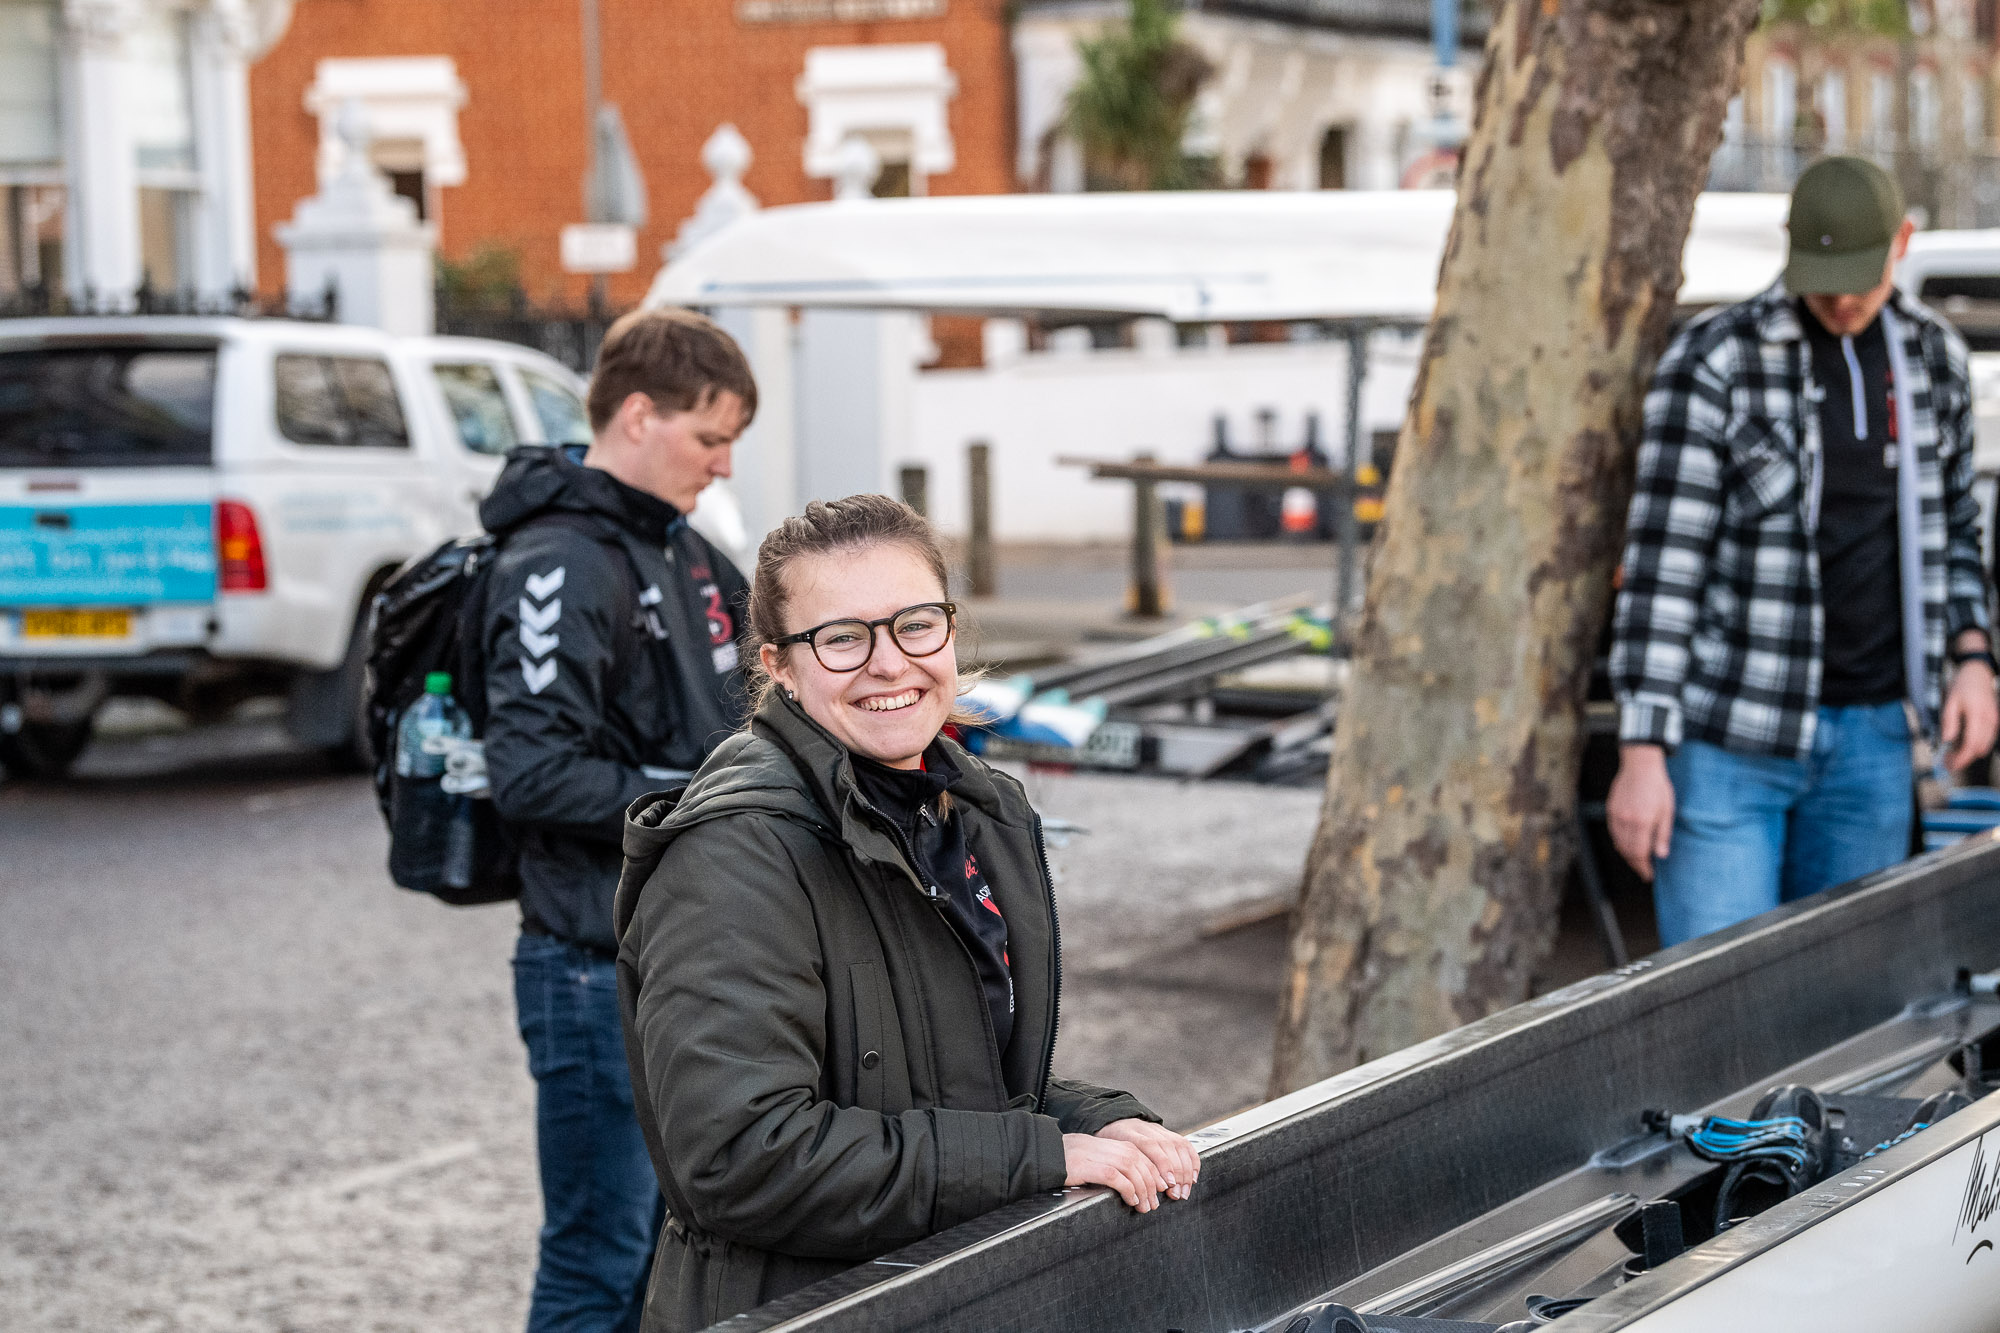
{"points": [[1180, 667], [1186, 677], [1103, 680], [1520, 1130], [1082, 677]]}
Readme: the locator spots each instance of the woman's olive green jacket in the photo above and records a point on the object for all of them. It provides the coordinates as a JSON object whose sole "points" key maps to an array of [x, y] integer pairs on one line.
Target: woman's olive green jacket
{"points": [[812, 1056]]}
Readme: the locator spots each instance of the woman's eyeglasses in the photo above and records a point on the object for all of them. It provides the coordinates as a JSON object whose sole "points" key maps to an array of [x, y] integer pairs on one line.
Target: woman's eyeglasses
{"points": [[846, 645]]}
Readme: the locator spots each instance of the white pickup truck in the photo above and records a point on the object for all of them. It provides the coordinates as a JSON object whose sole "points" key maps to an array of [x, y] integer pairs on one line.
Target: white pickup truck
{"points": [[1957, 273], [199, 509]]}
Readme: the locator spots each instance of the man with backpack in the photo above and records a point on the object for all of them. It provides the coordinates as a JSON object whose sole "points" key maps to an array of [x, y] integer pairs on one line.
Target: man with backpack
{"points": [[608, 644]]}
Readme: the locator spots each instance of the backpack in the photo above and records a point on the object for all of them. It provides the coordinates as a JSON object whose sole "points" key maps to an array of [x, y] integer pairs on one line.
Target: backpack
{"points": [[431, 616]]}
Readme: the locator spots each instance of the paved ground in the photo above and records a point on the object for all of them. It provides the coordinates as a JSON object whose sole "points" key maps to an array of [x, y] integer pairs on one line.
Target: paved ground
{"points": [[252, 1086]]}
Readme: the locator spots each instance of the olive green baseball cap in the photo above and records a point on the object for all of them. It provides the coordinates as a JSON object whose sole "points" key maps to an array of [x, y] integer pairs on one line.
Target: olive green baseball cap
{"points": [[1845, 215]]}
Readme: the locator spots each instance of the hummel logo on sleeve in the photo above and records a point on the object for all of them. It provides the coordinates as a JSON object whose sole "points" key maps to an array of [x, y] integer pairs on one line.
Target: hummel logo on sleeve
{"points": [[537, 629], [539, 618], [539, 645]]}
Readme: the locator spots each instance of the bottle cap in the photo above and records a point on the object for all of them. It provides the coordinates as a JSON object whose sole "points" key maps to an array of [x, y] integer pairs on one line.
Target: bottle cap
{"points": [[437, 682]]}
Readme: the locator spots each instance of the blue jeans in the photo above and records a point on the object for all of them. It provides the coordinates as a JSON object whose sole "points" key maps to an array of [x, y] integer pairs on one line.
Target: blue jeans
{"points": [[601, 1205], [1752, 831]]}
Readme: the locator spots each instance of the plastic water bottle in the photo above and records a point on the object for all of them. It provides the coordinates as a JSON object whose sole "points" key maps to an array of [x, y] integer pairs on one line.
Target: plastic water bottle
{"points": [[431, 846], [435, 713]]}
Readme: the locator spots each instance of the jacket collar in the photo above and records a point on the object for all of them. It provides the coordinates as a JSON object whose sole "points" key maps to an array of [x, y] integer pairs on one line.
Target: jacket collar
{"points": [[827, 768], [1777, 318], [1776, 313], [540, 479]]}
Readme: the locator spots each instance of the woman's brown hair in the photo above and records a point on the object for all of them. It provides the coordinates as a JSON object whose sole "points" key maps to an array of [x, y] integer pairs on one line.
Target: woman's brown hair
{"points": [[829, 527]]}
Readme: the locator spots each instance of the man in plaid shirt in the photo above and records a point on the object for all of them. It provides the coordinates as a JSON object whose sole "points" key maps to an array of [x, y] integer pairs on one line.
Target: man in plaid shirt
{"points": [[1802, 558]]}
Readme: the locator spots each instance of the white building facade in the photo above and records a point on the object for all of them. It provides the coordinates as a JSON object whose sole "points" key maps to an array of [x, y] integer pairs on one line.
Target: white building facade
{"points": [[125, 147], [1305, 94]]}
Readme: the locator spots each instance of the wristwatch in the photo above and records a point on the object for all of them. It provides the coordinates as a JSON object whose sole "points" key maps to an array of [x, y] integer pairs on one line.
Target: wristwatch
{"points": [[1977, 655]]}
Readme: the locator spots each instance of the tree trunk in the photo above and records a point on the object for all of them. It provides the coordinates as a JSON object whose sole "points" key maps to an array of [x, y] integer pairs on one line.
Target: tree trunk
{"points": [[1433, 881]]}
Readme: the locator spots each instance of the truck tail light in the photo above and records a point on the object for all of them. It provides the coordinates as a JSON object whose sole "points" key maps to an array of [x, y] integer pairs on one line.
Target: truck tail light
{"points": [[241, 549]]}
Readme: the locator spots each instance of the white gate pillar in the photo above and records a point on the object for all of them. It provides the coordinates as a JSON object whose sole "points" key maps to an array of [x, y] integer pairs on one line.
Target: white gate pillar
{"points": [[363, 240], [225, 40], [765, 480], [100, 159]]}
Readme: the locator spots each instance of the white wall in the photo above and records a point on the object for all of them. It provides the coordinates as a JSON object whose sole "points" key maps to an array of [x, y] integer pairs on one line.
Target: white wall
{"points": [[1115, 403], [856, 370]]}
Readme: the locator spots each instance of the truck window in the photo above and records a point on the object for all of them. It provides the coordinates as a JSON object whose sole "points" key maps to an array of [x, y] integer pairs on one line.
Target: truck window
{"points": [[1971, 301], [107, 407], [478, 406], [563, 419], [339, 400]]}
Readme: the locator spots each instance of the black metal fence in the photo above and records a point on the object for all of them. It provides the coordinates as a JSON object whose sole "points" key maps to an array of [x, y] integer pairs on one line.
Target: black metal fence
{"points": [[1952, 191], [41, 299], [570, 336]]}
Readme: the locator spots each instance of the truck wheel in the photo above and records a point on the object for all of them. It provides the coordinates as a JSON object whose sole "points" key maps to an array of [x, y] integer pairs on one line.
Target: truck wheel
{"points": [[42, 750], [355, 754], [328, 710]]}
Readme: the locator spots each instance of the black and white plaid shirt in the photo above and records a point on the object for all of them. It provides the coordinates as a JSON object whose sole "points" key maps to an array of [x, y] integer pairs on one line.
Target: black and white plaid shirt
{"points": [[1719, 634]]}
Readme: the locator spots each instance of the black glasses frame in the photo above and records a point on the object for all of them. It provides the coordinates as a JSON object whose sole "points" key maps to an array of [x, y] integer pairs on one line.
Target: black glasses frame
{"points": [[807, 636]]}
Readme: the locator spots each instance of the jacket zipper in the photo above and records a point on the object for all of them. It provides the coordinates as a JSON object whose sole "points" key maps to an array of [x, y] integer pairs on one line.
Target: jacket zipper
{"points": [[1055, 967], [931, 892]]}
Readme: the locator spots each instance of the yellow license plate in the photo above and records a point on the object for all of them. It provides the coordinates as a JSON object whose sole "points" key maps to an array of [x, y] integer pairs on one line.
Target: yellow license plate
{"points": [[76, 624]]}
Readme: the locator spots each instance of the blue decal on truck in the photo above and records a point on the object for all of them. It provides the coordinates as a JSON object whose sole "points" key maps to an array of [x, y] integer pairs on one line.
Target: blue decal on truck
{"points": [[123, 555]]}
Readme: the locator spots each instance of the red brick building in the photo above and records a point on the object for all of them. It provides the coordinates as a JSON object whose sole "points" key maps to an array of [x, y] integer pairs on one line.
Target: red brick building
{"points": [[478, 107]]}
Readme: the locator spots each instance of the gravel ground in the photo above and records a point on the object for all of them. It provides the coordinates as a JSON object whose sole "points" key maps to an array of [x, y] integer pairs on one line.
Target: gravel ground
{"points": [[251, 1086]]}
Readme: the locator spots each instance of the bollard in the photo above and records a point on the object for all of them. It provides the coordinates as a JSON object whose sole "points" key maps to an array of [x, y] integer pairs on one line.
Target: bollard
{"points": [[1347, 572], [1147, 595], [915, 485], [979, 550]]}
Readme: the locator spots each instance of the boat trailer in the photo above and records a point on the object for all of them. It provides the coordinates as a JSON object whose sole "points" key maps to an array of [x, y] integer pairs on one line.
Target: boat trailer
{"points": [[1567, 1161]]}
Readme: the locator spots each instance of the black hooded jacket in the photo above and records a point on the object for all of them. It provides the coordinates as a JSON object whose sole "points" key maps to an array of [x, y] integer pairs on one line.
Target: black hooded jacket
{"points": [[612, 667]]}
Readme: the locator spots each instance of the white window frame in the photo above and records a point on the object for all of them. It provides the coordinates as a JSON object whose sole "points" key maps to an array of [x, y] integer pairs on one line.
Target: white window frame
{"points": [[1833, 109], [1882, 110], [1781, 101], [1924, 109], [893, 96], [1972, 110], [13, 170], [407, 99]]}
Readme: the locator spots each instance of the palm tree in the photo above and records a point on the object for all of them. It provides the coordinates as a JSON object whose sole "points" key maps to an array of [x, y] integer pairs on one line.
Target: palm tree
{"points": [[1130, 109]]}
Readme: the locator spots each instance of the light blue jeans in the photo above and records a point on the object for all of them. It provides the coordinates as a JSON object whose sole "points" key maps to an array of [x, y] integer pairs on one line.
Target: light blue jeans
{"points": [[1752, 831]]}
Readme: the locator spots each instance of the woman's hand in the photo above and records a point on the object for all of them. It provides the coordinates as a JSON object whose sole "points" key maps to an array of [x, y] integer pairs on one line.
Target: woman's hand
{"points": [[1091, 1160], [1171, 1155], [1135, 1157]]}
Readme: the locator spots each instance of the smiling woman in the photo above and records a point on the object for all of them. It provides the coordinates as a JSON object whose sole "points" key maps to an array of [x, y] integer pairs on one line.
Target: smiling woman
{"points": [[839, 961], [867, 571]]}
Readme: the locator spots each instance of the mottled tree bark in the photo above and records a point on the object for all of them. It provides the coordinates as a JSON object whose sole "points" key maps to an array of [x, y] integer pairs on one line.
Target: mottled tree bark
{"points": [[1432, 885]]}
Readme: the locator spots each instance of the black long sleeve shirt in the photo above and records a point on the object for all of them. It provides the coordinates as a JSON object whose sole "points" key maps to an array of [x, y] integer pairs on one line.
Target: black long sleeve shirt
{"points": [[1861, 589]]}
